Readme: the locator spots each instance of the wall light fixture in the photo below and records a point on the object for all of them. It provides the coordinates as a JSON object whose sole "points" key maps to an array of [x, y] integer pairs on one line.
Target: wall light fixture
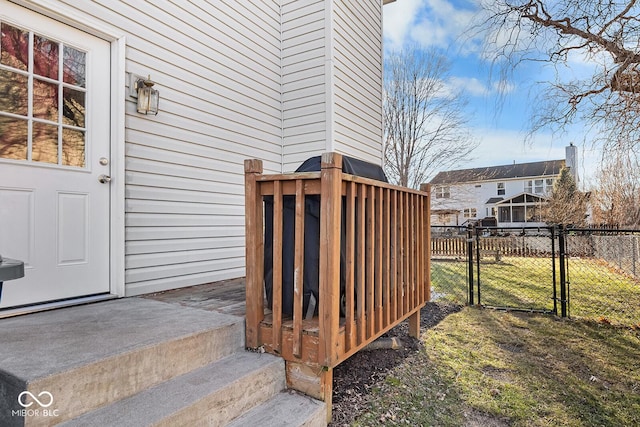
{"points": [[148, 97]]}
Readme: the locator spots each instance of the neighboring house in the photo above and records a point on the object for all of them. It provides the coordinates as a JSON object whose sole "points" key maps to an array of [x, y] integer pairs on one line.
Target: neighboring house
{"points": [[276, 80], [507, 195]]}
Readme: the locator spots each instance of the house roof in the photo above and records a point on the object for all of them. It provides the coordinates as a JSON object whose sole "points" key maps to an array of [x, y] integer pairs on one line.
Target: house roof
{"points": [[491, 173], [523, 198], [494, 200]]}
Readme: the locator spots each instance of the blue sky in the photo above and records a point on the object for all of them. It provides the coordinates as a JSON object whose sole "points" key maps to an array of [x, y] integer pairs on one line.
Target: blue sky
{"points": [[503, 130]]}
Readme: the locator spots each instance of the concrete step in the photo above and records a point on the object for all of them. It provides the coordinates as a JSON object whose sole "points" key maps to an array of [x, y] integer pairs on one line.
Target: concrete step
{"points": [[78, 359], [209, 396], [287, 408]]}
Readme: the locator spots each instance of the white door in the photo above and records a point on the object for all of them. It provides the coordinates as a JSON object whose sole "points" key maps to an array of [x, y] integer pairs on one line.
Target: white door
{"points": [[54, 146]]}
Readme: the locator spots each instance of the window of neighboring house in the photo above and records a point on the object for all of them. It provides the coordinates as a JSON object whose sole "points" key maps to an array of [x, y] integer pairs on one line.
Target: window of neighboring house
{"points": [[517, 214], [443, 192], [533, 214], [549, 185], [528, 187], [504, 214], [444, 218], [470, 213], [501, 190], [539, 187]]}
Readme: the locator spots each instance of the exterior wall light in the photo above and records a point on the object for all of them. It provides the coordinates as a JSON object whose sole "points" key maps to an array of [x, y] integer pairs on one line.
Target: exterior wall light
{"points": [[148, 97]]}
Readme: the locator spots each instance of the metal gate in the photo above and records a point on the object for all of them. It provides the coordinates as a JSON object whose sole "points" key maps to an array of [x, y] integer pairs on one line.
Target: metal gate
{"points": [[513, 268], [571, 272]]}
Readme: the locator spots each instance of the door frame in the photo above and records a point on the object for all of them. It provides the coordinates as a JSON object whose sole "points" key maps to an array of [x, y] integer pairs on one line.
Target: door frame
{"points": [[116, 38]]}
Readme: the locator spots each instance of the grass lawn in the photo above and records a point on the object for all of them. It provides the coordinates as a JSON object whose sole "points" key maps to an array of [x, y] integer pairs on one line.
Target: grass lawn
{"points": [[483, 367], [596, 290]]}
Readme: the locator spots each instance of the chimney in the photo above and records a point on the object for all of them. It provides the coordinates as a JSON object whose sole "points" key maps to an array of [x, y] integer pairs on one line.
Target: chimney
{"points": [[571, 161]]}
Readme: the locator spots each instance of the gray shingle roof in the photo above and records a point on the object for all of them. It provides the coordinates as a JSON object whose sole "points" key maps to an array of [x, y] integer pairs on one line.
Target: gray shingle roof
{"points": [[520, 170], [494, 200]]}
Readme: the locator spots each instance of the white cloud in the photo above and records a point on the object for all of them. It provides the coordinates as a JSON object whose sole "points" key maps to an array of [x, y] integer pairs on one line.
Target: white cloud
{"points": [[399, 18], [474, 87], [442, 24], [428, 23], [469, 85]]}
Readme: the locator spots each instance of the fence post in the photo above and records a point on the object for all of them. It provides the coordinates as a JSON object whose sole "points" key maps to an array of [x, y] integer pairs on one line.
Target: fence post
{"points": [[470, 260], [254, 252], [563, 273], [330, 210], [553, 269], [477, 233], [426, 218]]}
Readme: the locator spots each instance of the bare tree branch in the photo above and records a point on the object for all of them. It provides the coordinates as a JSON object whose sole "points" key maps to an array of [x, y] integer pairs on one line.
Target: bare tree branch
{"points": [[606, 33], [424, 125]]}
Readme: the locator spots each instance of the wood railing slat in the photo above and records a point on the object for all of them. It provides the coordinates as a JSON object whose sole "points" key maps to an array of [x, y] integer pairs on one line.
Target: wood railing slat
{"points": [[350, 214], [405, 254], [360, 293], [277, 267], [394, 254], [386, 256], [378, 257], [298, 269], [411, 266], [369, 260]]}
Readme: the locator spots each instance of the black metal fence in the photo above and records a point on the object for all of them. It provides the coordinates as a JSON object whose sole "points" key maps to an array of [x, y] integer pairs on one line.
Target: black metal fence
{"points": [[588, 273]]}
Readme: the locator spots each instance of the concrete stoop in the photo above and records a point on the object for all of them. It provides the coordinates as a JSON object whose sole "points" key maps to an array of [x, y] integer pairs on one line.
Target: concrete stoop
{"points": [[138, 362]]}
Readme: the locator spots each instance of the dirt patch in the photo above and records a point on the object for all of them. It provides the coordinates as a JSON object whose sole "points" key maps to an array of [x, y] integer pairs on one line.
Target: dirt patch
{"points": [[354, 379], [478, 419]]}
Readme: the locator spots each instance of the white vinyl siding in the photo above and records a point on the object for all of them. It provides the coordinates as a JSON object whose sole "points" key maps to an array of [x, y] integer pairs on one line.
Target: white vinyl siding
{"points": [[303, 81], [217, 67], [358, 79], [277, 80], [331, 80]]}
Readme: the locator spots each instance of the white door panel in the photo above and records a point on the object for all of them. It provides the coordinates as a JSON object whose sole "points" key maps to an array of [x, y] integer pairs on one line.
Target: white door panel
{"points": [[54, 129]]}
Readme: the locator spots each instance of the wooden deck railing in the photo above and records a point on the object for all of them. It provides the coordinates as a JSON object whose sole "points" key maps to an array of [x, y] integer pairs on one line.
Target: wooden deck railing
{"points": [[383, 232]]}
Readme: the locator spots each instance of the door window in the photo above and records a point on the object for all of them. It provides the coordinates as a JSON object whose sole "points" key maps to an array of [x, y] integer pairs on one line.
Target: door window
{"points": [[42, 99]]}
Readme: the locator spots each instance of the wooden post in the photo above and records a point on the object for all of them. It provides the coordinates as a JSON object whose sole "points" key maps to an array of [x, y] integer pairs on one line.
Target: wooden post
{"points": [[427, 239], [313, 380], [330, 209], [254, 250], [412, 264]]}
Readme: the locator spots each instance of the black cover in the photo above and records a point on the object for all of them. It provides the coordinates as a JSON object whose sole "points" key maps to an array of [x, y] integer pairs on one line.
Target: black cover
{"points": [[311, 237]]}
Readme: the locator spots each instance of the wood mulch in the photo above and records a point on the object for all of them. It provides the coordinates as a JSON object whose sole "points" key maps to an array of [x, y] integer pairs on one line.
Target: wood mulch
{"points": [[356, 377]]}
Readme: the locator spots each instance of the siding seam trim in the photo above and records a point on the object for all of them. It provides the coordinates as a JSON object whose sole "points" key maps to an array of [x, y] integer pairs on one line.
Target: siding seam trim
{"points": [[329, 90], [282, 154]]}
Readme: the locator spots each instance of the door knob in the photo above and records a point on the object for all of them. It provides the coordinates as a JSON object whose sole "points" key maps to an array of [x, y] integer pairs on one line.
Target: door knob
{"points": [[104, 179]]}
